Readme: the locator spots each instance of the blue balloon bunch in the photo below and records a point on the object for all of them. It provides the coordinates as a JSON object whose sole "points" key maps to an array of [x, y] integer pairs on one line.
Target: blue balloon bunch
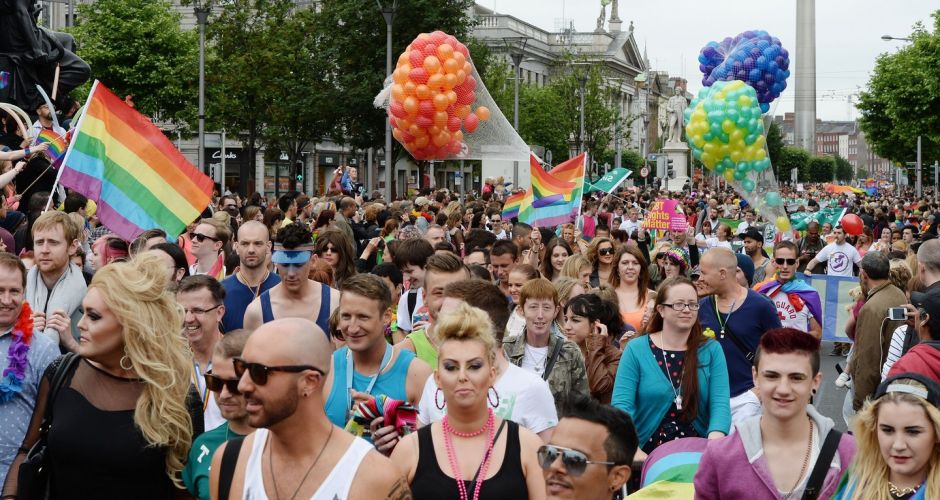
{"points": [[753, 57]]}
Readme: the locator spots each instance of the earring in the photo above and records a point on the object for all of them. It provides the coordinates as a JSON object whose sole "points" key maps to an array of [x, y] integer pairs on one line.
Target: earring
{"points": [[443, 400], [130, 365], [490, 400]]}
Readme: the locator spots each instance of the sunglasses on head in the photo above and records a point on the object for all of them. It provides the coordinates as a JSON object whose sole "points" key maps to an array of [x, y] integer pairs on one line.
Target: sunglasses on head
{"points": [[574, 461], [606, 251], [781, 261], [203, 237], [259, 373], [215, 383]]}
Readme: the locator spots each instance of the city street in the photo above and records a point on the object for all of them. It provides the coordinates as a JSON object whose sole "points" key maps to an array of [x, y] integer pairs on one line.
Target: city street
{"points": [[829, 399]]}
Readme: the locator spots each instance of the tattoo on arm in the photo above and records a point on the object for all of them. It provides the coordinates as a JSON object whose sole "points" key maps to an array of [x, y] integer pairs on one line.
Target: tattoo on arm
{"points": [[399, 491]]}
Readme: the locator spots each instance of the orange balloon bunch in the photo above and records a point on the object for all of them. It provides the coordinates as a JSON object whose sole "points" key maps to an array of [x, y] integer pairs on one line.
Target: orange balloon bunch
{"points": [[432, 95]]}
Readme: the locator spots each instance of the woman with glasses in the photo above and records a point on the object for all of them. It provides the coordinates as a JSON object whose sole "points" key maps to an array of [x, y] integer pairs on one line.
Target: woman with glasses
{"points": [[601, 254], [594, 325], [470, 453], [124, 427], [673, 381], [334, 247], [556, 253], [632, 284]]}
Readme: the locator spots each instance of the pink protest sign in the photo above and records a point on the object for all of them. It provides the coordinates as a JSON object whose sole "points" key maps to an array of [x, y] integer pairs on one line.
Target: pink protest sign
{"points": [[666, 215]]}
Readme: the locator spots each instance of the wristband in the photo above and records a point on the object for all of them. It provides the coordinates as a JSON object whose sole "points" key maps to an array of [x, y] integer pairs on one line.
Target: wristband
{"points": [[26, 152]]}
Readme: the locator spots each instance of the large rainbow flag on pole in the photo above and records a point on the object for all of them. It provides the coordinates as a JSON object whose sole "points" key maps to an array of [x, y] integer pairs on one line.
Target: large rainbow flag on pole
{"points": [[557, 193], [122, 161]]}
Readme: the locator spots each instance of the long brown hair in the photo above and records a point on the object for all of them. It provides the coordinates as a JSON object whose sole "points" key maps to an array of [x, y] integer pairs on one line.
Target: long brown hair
{"points": [[643, 282], [689, 378]]}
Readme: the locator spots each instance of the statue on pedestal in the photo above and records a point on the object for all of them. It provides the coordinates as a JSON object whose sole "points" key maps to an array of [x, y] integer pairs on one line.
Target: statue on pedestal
{"points": [[676, 107], [603, 16]]}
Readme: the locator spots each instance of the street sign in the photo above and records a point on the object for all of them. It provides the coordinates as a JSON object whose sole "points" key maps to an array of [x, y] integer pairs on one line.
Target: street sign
{"points": [[644, 172]]}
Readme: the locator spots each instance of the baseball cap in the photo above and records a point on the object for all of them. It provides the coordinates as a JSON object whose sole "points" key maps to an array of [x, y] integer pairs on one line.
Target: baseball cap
{"points": [[754, 234], [930, 392]]}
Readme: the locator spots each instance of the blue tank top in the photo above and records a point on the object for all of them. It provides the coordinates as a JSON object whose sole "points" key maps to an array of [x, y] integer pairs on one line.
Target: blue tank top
{"points": [[392, 383], [237, 298], [323, 317]]}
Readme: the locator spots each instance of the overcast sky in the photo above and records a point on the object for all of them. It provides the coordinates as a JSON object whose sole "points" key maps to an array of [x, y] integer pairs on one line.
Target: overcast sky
{"points": [[848, 35]]}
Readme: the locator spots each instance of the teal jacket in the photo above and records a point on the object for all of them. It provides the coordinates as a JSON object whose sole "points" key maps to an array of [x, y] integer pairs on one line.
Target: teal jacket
{"points": [[643, 391]]}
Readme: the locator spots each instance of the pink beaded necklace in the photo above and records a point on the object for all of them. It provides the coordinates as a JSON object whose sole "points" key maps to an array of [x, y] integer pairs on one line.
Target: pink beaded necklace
{"points": [[452, 455]]}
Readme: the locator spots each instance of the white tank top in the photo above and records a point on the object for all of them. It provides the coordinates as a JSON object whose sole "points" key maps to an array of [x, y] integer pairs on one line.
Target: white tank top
{"points": [[335, 486]]}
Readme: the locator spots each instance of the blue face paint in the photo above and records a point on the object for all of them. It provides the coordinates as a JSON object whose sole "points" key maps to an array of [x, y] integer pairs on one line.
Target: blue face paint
{"points": [[291, 257]]}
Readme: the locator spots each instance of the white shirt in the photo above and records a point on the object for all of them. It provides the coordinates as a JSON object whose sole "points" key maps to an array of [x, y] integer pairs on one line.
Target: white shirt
{"points": [[515, 325], [789, 316], [404, 319], [533, 361], [629, 226], [524, 398], [743, 227], [840, 258]]}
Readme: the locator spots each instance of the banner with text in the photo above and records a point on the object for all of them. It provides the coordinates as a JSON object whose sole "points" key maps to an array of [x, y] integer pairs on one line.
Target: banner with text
{"points": [[666, 215]]}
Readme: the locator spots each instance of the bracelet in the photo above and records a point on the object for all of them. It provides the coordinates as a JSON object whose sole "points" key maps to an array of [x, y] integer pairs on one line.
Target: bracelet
{"points": [[26, 151]]}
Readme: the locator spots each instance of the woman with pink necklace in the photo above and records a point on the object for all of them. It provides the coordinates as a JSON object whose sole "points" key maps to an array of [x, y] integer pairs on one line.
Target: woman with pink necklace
{"points": [[471, 453]]}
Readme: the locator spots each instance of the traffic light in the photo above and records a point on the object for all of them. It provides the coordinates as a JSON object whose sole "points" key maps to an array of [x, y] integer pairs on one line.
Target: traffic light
{"points": [[300, 177], [670, 170]]}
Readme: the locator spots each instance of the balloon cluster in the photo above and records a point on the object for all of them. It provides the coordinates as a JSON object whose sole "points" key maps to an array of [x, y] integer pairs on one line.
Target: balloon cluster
{"points": [[753, 57], [726, 133], [432, 95]]}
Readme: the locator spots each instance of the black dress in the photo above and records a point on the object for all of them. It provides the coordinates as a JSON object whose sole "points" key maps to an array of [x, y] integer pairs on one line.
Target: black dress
{"points": [[430, 482], [95, 449]]}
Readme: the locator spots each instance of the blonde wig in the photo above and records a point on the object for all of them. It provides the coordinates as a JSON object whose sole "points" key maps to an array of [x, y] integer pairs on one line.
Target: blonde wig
{"points": [[135, 291], [869, 471]]}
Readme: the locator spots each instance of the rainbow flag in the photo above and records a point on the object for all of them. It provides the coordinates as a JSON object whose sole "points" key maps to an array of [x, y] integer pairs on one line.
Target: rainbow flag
{"points": [[514, 204], [557, 193], [123, 162], [57, 145]]}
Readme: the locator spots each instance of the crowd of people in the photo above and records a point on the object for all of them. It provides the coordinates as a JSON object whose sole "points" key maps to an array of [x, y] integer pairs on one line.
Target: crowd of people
{"points": [[348, 346]]}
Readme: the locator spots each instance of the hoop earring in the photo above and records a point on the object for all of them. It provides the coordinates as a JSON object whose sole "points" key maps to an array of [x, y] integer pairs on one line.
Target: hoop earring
{"points": [[490, 400], [443, 402], [121, 362]]}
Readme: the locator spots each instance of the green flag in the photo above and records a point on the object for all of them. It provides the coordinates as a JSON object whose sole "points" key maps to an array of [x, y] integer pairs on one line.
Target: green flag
{"points": [[609, 182], [799, 220]]}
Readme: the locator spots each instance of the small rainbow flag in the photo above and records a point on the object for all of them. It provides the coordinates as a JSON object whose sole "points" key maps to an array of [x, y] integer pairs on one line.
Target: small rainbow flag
{"points": [[57, 145], [123, 162], [514, 204], [557, 198]]}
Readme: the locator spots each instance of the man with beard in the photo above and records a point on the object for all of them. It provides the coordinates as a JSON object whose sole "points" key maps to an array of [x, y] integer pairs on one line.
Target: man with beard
{"points": [[201, 298], [296, 296], [253, 276], [798, 304], [840, 256], [754, 248], [282, 374], [809, 245], [223, 384]]}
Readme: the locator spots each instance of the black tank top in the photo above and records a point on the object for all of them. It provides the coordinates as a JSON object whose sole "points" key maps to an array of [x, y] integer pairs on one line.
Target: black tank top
{"points": [[430, 482]]}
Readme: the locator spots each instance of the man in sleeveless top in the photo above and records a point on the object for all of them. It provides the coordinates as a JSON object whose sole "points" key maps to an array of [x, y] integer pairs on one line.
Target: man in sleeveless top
{"points": [[253, 276], [201, 298], [440, 271], [296, 451], [368, 366], [296, 296], [598, 433]]}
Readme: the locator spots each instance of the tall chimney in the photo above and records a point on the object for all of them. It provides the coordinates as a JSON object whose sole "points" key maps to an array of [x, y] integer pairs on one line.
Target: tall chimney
{"points": [[805, 105]]}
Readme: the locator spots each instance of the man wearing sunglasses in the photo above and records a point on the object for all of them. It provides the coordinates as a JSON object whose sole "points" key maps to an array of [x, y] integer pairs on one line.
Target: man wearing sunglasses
{"points": [[282, 374], [590, 452], [209, 237], [296, 296], [798, 304], [223, 384]]}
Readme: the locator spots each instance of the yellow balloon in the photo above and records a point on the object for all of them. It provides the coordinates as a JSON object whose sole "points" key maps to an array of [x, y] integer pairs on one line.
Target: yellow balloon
{"points": [[729, 175], [737, 135], [783, 223], [710, 149], [736, 155], [760, 141], [728, 126], [744, 101], [708, 160], [760, 154], [699, 141]]}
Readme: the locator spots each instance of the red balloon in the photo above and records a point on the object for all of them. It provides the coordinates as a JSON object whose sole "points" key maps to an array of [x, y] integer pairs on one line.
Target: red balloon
{"points": [[430, 50], [416, 58], [453, 124], [424, 122], [398, 110], [426, 109], [471, 122], [418, 75], [852, 224]]}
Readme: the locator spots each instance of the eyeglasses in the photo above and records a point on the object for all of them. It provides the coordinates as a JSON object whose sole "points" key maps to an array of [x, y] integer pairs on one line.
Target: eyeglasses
{"points": [[215, 383], [781, 261], [199, 312], [259, 373], [203, 237], [681, 306], [574, 461], [605, 251]]}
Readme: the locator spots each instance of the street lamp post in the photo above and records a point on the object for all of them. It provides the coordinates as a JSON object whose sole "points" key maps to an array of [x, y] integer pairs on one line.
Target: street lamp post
{"points": [[516, 53], [202, 11], [389, 14], [582, 82]]}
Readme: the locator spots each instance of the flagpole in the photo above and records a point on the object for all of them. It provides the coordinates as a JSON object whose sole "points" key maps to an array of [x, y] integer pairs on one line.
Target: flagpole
{"points": [[581, 193], [68, 151]]}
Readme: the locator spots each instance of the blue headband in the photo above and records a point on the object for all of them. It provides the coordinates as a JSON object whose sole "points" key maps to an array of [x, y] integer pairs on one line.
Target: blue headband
{"points": [[297, 257]]}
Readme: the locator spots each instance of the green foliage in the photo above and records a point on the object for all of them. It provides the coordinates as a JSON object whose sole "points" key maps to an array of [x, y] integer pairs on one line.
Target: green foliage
{"points": [[902, 100], [843, 169], [790, 158], [821, 169], [775, 148], [138, 48]]}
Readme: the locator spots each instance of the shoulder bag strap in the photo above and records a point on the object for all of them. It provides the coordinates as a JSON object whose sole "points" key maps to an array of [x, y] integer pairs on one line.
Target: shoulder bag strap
{"points": [[412, 302], [552, 358], [749, 354], [473, 482], [227, 468], [58, 380], [823, 461]]}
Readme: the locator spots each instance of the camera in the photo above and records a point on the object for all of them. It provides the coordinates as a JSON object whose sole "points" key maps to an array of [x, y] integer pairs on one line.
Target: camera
{"points": [[897, 314]]}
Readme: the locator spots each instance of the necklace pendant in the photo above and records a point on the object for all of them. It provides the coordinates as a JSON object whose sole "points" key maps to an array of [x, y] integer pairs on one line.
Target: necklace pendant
{"points": [[722, 333], [679, 402]]}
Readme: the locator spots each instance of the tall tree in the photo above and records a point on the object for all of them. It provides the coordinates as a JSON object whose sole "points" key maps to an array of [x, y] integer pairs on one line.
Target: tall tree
{"points": [[821, 168], [793, 158], [138, 48], [843, 169]]}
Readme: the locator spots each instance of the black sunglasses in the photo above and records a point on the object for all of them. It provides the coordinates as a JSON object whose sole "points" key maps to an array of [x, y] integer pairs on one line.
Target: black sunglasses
{"points": [[203, 237], [606, 251], [215, 383], [574, 461], [781, 261], [259, 373]]}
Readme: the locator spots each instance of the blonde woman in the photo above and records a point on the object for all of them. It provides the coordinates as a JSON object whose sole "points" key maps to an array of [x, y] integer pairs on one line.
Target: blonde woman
{"points": [[125, 425], [897, 435], [579, 268], [566, 288]]}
